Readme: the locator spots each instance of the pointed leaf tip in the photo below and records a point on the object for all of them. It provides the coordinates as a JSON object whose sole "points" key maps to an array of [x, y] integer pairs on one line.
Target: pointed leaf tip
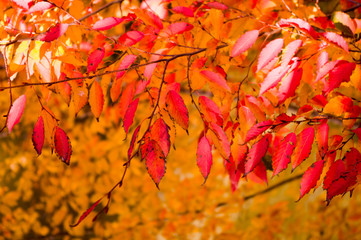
{"points": [[204, 157], [62, 145], [16, 111], [38, 135]]}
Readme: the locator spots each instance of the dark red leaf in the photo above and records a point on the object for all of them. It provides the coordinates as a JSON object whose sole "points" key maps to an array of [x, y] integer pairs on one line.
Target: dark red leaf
{"points": [[256, 153], [310, 177], [38, 135], [62, 145]]}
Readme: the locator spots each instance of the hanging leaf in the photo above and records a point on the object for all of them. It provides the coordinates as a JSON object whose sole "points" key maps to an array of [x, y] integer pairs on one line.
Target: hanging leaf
{"points": [[159, 132], [258, 174], [216, 78], [336, 39], [256, 153], [244, 42], [204, 157], [62, 145], [220, 140], [310, 177], [96, 99], [269, 52], [38, 135], [86, 213], [129, 115], [283, 153], [130, 38], [94, 59], [154, 160], [177, 109], [258, 129], [322, 138], [16, 111], [53, 33], [304, 145], [321, 61], [233, 172], [107, 23], [273, 78], [341, 73], [210, 110], [132, 142], [126, 62]]}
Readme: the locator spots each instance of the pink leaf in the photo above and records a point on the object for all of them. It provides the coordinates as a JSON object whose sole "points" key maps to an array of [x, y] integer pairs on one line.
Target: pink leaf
{"points": [[176, 28], [304, 145], [204, 157], [310, 177], [129, 115], [290, 51], [273, 78], [38, 135], [300, 24], [39, 7], [107, 23], [269, 52], [283, 153], [184, 10], [210, 110], [126, 62], [289, 84], [62, 145], [177, 109], [256, 153], [94, 59], [53, 33], [322, 60], [258, 129], [24, 4], [16, 111], [244, 42], [216, 78], [325, 69], [130, 38], [336, 39]]}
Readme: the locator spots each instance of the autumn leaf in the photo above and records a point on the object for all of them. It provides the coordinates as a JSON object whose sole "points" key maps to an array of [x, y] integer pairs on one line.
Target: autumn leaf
{"points": [[96, 99], [62, 145], [160, 133], [338, 105], [290, 51], [310, 177], [211, 111], [283, 153], [256, 153], [204, 157], [39, 7], [94, 59], [132, 142], [300, 24], [220, 140], [53, 33], [244, 42], [16, 111], [129, 114], [177, 109], [154, 160], [336, 39], [304, 145], [38, 135], [184, 10], [258, 129], [269, 52], [107, 23], [216, 78]]}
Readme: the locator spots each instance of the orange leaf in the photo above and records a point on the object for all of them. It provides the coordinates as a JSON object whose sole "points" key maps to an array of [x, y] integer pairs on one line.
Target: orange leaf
{"points": [[96, 99]]}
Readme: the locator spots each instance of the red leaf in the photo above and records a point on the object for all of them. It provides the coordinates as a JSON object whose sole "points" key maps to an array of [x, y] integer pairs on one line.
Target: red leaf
{"points": [[333, 172], [62, 145], [341, 73], [283, 153], [107, 23], [125, 100], [336, 39], [39, 7], [325, 69], [300, 24], [204, 157], [86, 213], [273, 78], [210, 110], [290, 51], [223, 146], [130, 38], [310, 177], [304, 146], [258, 129], [132, 142], [176, 28], [96, 99], [184, 10], [289, 84], [358, 132], [129, 115], [38, 135], [16, 111], [322, 138], [177, 109], [217, 79], [233, 172], [149, 69], [269, 52], [259, 174], [217, 5], [244, 42], [53, 33], [126, 62], [154, 160], [159, 133], [24, 4], [256, 153], [95, 58]]}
